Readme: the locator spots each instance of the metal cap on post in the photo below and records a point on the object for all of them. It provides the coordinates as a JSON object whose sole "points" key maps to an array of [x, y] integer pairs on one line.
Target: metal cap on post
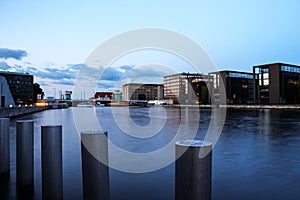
{"points": [[4, 145], [24, 147], [95, 172], [52, 179], [193, 170]]}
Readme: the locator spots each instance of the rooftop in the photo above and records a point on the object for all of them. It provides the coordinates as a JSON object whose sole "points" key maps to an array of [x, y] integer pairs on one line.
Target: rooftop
{"points": [[15, 73]]}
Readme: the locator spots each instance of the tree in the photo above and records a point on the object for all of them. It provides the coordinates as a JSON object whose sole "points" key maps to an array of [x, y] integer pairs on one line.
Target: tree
{"points": [[37, 92]]}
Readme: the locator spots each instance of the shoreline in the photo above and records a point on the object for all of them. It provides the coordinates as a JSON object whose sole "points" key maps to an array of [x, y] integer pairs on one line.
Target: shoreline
{"points": [[241, 106], [19, 111]]}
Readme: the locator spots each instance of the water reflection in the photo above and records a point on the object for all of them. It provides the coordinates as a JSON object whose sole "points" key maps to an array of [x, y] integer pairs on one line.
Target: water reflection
{"points": [[256, 157]]}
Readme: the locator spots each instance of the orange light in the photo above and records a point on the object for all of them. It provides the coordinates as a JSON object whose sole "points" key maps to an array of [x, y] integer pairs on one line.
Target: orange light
{"points": [[244, 86], [40, 104]]}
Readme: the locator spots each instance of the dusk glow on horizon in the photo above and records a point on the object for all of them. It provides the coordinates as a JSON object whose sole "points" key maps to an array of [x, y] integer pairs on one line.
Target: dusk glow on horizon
{"points": [[52, 39]]}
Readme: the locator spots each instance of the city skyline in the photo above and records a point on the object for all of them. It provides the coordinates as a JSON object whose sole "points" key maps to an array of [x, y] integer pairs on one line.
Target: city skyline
{"points": [[51, 40]]}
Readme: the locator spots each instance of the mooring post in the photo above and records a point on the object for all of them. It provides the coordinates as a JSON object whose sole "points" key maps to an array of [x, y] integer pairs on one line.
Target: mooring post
{"points": [[52, 179], [95, 171], [4, 145], [24, 147], [193, 170]]}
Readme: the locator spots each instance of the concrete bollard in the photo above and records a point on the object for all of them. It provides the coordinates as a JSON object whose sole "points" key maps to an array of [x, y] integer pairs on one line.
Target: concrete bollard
{"points": [[193, 171], [52, 179], [95, 172], [4, 145], [24, 147]]}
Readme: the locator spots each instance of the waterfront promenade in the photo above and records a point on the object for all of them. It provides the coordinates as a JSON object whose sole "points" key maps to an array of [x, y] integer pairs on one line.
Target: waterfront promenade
{"points": [[19, 111]]}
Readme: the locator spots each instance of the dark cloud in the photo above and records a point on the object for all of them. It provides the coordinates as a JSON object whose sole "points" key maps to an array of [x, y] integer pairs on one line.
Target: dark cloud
{"points": [[5, 66], [63, 76], [11, 53], [52, 73]]}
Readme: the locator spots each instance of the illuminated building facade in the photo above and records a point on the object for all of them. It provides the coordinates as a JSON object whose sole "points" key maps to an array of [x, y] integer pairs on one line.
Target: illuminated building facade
{"points": [[21, 87], [278, 83], [186, 88], [139, 91], [239, 86], [103, 95]]}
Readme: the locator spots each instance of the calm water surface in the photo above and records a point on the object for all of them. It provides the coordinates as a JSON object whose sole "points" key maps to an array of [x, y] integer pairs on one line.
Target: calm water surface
{"points": [[256, 157]]}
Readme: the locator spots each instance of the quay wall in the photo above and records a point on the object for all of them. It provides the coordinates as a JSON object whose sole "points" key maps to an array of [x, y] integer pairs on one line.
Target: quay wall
{"points": [[295, 106], [18, 111]]}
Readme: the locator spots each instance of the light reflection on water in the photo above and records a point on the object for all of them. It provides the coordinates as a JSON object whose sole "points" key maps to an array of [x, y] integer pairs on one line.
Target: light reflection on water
{"points": [[256, 157]]}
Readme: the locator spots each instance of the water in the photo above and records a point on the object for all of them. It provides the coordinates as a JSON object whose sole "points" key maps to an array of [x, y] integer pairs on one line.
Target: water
{"points": [[256, 157]]}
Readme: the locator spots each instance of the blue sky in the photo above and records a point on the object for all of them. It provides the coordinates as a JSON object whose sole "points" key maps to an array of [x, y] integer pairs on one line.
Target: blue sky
{"points": [[55, 37]]}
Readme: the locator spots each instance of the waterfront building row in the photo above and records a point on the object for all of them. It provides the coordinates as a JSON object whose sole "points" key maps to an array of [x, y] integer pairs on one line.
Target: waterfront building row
{"points": [[275, 83]]}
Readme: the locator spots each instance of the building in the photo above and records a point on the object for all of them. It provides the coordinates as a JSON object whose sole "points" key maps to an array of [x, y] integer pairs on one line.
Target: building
{"points": [[103, 95], [68, 95], [21, 86], [6, 99], [117, 95], [239, 86], [139, 91], [278, 83], [186, 88]]}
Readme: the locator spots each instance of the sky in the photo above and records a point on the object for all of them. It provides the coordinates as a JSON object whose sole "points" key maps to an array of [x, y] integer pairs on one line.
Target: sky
{"points": [[53, 39]]}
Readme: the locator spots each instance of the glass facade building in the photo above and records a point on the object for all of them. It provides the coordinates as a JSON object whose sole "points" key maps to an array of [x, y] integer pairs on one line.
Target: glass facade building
{"points": [[186, 88], [239, 86], [278, 83], [21, 87], [138, 91]]}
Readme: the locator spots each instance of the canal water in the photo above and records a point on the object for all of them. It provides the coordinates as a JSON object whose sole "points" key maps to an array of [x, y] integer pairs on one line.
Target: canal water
{"points": [[256, 157]]}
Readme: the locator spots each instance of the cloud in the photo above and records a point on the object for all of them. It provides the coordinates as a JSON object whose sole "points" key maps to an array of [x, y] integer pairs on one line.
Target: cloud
{"points": [[5, 66], [154, 72], [126, 67], [11, 53], [76, 66], [68, 82], [54, 73], [107, 85], [111, 74], [43, 83]]}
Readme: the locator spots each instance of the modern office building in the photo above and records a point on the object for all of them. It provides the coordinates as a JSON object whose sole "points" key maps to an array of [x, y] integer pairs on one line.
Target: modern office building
{"points": [[139, 91], [6, 99], [186, 88], [239, 86], [278, 83], [21, 86]]}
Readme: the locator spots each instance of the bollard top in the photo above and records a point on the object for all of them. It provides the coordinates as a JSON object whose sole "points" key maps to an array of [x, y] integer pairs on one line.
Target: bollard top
{"points": [[193, 143], [51, 126], [25, 121], [94, 132]]}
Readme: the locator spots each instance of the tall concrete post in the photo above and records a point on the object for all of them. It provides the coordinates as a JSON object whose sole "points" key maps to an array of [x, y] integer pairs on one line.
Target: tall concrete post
{"points": [[95, 172], [193, 170], [24, 147], [52, 178], [4, 145]]}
